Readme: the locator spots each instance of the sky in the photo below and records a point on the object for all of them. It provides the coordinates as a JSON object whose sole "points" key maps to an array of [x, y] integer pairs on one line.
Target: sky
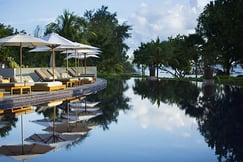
{"points": [[149, 19]]}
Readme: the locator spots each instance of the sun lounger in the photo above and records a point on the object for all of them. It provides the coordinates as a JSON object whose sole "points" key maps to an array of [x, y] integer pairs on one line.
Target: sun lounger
{"points": [[13, 87], [66, 79], [44, 75], [16, 86], [85, 78], [41, 86], [48, 86], [47, 76]]}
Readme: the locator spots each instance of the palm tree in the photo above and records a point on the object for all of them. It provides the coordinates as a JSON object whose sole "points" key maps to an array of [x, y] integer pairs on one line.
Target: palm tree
{"points": [[67, 25]]}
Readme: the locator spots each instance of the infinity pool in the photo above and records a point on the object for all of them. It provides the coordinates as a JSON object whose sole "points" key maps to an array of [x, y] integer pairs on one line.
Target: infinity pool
{"points": [[140, 121]]}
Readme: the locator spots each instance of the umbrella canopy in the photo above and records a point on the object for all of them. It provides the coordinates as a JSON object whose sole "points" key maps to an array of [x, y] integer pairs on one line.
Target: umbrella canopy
{"points": [[84, 46], [55, 38], [24, 152], [22, 40], [84, 49], [80, 56]]}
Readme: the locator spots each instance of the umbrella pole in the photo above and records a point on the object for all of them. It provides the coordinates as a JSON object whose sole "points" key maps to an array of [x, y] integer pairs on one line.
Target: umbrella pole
{"points": [[54, 116], [76, 62], [22, 134], [20, 62], [67, 60], [84, 63], [53, 63]]}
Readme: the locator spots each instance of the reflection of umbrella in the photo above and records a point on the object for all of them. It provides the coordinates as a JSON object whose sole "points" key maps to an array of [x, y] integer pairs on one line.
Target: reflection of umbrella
{"points": [[88, 109], [69, 128], [47, 122], [81, 116], [22, 40], [83, 104], [52, 139], [24, 152]]}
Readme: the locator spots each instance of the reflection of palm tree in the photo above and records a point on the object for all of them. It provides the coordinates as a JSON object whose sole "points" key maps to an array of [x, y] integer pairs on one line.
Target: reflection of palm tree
{"points": [[11, 120]]}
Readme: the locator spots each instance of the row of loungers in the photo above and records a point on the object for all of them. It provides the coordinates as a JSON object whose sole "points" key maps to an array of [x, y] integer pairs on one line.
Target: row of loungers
{"points": [[46, 82], [68, 78], [29, 85]]}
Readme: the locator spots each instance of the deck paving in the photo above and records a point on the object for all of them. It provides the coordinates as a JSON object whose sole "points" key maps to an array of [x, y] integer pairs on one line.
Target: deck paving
{"points": [[40, 97]]}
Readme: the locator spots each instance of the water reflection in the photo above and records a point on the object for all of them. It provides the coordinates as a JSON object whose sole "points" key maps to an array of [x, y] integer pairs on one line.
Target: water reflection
{"points": [[217, 109], [144, 120]]}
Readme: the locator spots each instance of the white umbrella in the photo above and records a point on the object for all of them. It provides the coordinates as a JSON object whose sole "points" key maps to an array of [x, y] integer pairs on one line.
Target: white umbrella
{"points": [[79, 56], [83, 53], [87, 51], [54, 38], [84, 47], [22, 40]]}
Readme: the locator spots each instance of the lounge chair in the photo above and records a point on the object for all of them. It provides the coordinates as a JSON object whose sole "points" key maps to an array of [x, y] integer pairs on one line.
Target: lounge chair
{"points": [[41, 86], [47, 76], [48, 86], [66, 79], [14, 85], [85, 78]]}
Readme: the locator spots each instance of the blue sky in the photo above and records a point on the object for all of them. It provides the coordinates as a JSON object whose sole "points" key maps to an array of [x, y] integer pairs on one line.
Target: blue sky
{"points": [[149, 18]]}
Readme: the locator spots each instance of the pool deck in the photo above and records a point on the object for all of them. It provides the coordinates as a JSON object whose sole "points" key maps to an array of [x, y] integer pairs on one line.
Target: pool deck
{"points": [[35, 98]]}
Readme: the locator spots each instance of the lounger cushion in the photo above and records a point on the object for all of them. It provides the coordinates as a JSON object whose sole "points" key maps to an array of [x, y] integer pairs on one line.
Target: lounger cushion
{"points": [[48, 84], [26, 80]]}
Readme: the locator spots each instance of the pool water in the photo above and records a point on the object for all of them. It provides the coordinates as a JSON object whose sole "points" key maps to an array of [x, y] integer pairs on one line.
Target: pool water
{"points": [[141, 122]]}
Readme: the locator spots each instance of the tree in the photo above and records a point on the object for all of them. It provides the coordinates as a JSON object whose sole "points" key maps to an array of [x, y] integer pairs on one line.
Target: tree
{"points": [[6, 53], [194, 43], [164, 55], [110, 36], [179, 57], [67, 25], [221, 25]]}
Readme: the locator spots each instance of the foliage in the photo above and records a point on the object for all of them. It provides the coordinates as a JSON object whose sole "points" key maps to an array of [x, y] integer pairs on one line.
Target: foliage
{"points": [[164, 55], [217, 110], [5, 51], [100, 29], [110, 36], [179, 59], [221, 25], [12, 63]]}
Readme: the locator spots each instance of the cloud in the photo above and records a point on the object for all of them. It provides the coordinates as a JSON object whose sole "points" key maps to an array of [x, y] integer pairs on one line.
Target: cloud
{"points": [[164, 19]]}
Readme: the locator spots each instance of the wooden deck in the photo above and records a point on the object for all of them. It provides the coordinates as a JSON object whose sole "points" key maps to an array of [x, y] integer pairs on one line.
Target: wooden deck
{"points": [[35, 98]]}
